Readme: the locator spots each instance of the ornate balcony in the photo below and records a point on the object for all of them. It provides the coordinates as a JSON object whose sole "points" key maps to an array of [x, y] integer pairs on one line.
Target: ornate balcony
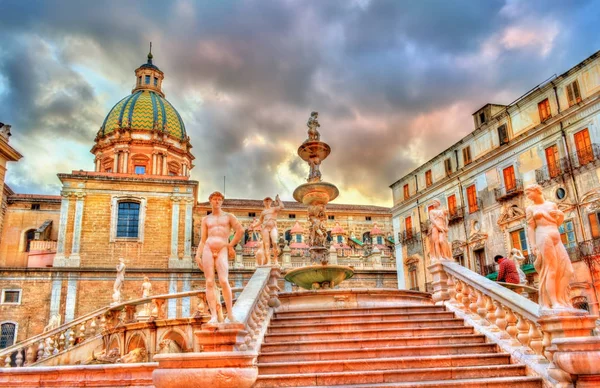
{"points": [[425, 226], [586, 156], [409, 237], [505, 193], [589, 251], [557, 170], [455, 215]]}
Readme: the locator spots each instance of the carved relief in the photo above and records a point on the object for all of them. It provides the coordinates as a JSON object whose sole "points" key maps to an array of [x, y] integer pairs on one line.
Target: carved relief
{"points": [[509, 213], [476, 237], [457, 247]]}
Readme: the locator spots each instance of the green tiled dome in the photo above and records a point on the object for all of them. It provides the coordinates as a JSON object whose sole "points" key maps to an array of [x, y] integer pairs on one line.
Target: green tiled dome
{"points": [[145, 110]]}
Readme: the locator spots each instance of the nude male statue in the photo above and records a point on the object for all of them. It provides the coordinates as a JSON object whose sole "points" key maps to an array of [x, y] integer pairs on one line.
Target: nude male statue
{"points": [[213, 253], [268, 221]]}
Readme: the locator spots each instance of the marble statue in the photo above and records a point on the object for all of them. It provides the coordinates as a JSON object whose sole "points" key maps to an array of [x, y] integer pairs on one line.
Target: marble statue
{"points": [[313, 124], [552, 261], [119, 281], [214, 250], [146, 287], [268, 223], [259, 254], [5, 131], [517, 257], [314, 174], [54, 322], [317, 234], [439, 248]]}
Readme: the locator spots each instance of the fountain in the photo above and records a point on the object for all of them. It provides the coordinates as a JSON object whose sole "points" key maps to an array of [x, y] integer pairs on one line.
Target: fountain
{"points": [[316, 194]]}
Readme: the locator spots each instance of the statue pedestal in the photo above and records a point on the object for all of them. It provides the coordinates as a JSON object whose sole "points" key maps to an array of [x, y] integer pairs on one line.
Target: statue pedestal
{"points": [[439, 283], [580, 358], [220, 337], [206, 369]]}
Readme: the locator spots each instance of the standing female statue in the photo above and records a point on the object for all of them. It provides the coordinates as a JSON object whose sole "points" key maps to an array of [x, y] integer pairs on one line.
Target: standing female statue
{"points": [[552, 261], [439, 248]]}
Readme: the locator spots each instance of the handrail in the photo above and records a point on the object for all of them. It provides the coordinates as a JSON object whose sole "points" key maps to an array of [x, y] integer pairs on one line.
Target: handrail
{"points": [[67, 335]]}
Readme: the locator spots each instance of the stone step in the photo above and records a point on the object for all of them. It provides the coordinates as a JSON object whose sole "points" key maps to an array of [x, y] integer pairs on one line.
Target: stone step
{"points": [[360, 310], [385, 351], [389, 376], [370, 333], [494, 382], [387, 363], [359, 325], [352, 343], [380, 317]]}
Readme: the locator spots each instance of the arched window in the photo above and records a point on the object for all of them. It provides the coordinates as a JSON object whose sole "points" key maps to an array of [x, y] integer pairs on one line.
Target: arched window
{"points": [[29, 237], [367, 237], [128, 219], [8, 332]]}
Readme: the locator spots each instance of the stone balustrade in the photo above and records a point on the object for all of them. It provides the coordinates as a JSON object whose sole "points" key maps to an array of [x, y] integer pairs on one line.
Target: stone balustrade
{"points": [[516, 323], [38, 349], [40, 245]]}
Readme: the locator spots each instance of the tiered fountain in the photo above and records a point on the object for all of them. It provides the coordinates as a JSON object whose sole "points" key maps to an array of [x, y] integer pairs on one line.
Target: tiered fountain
{"points": [[316, 194]]}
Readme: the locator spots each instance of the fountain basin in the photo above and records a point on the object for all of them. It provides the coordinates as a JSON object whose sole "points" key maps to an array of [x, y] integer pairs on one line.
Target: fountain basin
{"points": [[310, 149], [319, 276], [316, 193]]}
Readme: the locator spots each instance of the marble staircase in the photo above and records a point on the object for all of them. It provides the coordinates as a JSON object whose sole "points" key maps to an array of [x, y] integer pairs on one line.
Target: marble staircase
{"points": [[390, 346]]}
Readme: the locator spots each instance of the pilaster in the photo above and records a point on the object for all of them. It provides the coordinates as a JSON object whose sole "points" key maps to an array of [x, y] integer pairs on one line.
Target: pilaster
{"points": [[74, 258], [59, 258]]}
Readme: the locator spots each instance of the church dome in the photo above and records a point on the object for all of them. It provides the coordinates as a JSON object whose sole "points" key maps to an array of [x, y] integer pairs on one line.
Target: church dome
{"points": [[144, 110]]}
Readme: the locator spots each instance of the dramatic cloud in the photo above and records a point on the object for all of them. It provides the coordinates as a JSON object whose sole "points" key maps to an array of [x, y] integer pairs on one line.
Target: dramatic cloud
{"points": [[395, 82]]}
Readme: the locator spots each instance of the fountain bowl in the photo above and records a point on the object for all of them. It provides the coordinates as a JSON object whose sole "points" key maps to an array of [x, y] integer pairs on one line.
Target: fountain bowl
{"points": [[316, 193], [310, 149], [325, 276]]}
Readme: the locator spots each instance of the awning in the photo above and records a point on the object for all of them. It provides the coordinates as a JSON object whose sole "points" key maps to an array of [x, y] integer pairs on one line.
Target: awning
{"points": [[357, 241]]}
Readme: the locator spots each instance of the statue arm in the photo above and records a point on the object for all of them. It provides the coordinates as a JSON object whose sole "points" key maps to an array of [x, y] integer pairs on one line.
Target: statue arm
{"points": [[530, 230], [559, 216], [203, 237], [237, 228], [279, 202]]}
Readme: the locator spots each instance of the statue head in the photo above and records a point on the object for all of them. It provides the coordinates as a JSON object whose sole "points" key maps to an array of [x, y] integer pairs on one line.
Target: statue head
{"points": [[146, 279], [436, 203], [216, 194], [267, 199], [314, 114], [121, 260], [533, 191]]}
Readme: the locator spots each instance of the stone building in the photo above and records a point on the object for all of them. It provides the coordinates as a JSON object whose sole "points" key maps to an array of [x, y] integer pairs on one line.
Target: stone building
{"points": [[58, 252], [547, 136]]}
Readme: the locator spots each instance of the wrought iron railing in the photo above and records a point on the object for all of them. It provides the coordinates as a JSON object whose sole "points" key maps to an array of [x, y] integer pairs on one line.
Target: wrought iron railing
{"points": [[456, 214], [585, 156], [555, 170], [589, 251], [409, 237], [425, 226], [509, 191]]}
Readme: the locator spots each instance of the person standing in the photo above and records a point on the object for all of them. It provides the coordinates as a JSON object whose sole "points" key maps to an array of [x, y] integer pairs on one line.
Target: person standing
{"points": [[508, 271]]}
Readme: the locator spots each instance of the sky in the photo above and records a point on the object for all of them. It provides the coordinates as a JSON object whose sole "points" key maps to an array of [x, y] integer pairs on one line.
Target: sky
{"points": [[395, 82]]}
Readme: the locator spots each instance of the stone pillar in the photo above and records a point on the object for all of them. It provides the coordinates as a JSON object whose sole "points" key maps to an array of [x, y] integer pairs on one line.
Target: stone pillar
{"points": [[125, 162], [172, 303], [71, 297], [164, 165], [116, 162], [187, 243], [440, 283], [59, 258], [376, 258], [332, 255], [239, 257], [74, 258], [174, 261], [154, 163], [97, 164], [287, 257], [55, 294], [399, 258]]}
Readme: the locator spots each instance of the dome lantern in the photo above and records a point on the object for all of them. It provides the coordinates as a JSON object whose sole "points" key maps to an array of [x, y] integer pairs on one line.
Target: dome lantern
{"points": [[149, 76]]}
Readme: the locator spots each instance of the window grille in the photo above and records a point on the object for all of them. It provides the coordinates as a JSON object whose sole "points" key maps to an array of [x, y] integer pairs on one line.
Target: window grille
{"points": [[128, 219]]}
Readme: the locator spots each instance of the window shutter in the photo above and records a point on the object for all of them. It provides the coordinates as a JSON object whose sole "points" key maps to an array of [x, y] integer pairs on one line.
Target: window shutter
{"points": [[570, 94], [576, 93], [594, 225]]}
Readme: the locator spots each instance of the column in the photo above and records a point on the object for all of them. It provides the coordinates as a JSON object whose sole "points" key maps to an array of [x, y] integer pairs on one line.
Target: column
{"points": [[97, 163], [71, 297], [55, 295], [172, 303], [164, 165], [74, 258], [154, 163], [187, 243], [59, 258], [116, 162], [125, 162], [174, 261], [186, 302], [399, 258]]}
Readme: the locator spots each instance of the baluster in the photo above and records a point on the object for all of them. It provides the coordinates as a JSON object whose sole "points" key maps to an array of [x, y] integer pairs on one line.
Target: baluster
{"points": [[465, 299], [54, 345], [41, 351], [103, 322], [451, 289], [29, 356], [71, 337], [93, 327], [500, 315], [82, 332], [523, 328], [61, 341], [48, 347], [511, 327], [535, 339], [491, 313], [19, 359], [459, 294], [481, 309], [7, 361], [473, 305]]}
